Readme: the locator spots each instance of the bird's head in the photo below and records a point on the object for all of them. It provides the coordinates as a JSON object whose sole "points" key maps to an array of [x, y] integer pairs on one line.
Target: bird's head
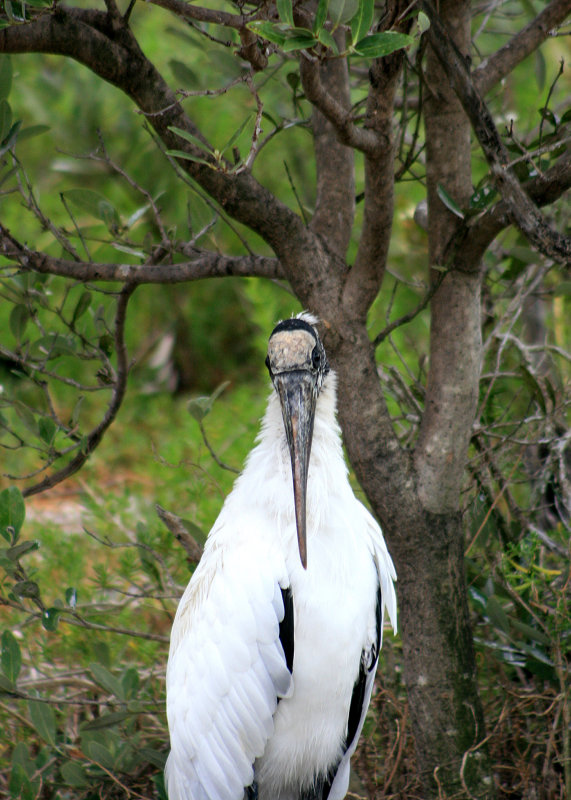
{"points": [[297, 365]]}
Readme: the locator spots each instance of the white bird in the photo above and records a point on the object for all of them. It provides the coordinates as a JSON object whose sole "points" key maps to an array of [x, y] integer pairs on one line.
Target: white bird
{"points": [[276, 639]]}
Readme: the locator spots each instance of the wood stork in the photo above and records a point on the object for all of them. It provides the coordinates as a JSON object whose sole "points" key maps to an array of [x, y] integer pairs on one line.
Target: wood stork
{"points": [[276, 639]]}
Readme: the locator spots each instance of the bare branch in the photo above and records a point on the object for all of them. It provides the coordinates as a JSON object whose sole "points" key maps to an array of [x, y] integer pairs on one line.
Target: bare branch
{"points": [[523, 212], [502, 62], [189, 11], [414, 312], [202, 265], [338, 115]]}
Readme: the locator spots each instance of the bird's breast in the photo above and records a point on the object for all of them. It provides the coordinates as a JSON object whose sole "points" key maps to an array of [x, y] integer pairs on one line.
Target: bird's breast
{"points": [[334, 607]]}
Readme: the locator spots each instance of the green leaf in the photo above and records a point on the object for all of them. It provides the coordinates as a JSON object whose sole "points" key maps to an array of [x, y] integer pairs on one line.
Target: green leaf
{"points": [[82, 305], [341, 11], [236, 135], [50, 618], [74, 775], [11, 137], [5, 119], [29, 589], [43, 720], [12, 513], [28, 419], [5, 76], [53, 345], [105, 721], [188, 137], [154, 757], [423, 22], [293, 80], [19, 317], [304, 41], [32, 131], [71, 596], [100, 754], [482, 197], [6, 686], [95, 204], [450, 204], [107, 680], [21, 756], [18, 551], [20, 785], [327, 39], [497, 614], [320, 15], [47, 429], [271, 31], [138, 214], [285, 11], [11, 656], [532, 633], [189, 157], [130, 682], [382, 44], [540, 69], [362, 21], [183, 73], [200, 407]]}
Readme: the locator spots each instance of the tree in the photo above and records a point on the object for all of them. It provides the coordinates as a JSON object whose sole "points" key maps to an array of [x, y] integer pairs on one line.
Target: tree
{"points": [[397, 86]]}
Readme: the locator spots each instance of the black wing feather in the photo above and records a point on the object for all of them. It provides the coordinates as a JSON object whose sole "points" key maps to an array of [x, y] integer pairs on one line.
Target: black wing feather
{"points": [[287, 627], [367, 665]]}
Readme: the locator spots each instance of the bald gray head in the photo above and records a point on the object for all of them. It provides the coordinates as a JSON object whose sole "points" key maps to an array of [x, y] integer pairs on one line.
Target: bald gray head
{"points": [[298, 365]]}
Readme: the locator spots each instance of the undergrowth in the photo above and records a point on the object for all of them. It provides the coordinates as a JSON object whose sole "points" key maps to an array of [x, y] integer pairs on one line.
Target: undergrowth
{"points": [[90, 581]]}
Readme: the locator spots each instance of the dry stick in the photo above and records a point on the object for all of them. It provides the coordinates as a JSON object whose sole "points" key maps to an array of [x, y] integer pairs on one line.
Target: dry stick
{"points": [[522, 210], [497, 499], [501, 63], [410, 315], [96, 435]]}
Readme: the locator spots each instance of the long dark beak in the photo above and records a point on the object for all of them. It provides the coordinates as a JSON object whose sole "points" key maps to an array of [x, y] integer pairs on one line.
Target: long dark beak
{"points": [[298, 395]]}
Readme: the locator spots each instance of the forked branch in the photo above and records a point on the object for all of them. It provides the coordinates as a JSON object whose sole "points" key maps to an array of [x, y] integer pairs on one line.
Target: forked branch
{"points": [[522, 210]]}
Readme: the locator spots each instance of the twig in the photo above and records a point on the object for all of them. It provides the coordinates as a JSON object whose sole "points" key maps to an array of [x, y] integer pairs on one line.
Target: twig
{"points": [[213, 453], [410, 315], [94, 438]]}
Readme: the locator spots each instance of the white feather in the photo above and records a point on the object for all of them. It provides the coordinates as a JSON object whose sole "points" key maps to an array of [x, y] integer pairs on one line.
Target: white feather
{"points": [[227, 667]]}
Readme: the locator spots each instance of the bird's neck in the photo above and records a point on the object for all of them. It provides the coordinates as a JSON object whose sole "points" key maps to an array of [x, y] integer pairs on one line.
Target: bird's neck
{"points": [[268, 468]]}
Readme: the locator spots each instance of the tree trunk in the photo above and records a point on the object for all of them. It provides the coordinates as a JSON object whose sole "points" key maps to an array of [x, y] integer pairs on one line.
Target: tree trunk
{"points": [[428, 550], [440, 668]]}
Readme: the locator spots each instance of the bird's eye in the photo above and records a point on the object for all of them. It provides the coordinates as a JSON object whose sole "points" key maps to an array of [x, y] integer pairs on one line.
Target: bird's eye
{"points": [[316, 358]]}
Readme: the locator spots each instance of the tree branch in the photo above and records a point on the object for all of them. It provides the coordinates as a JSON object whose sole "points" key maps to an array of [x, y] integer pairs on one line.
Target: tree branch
{"points": [[108, 48], [365, 278], [93, 439], [338, 115], [335, 164], [524, 213], [474, 239], [455, 339], [203, 265], [189, 11], [502, 62]]}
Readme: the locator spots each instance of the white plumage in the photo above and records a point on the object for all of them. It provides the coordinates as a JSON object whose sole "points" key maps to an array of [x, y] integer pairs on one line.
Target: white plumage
{"points": [[237, 717]]}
